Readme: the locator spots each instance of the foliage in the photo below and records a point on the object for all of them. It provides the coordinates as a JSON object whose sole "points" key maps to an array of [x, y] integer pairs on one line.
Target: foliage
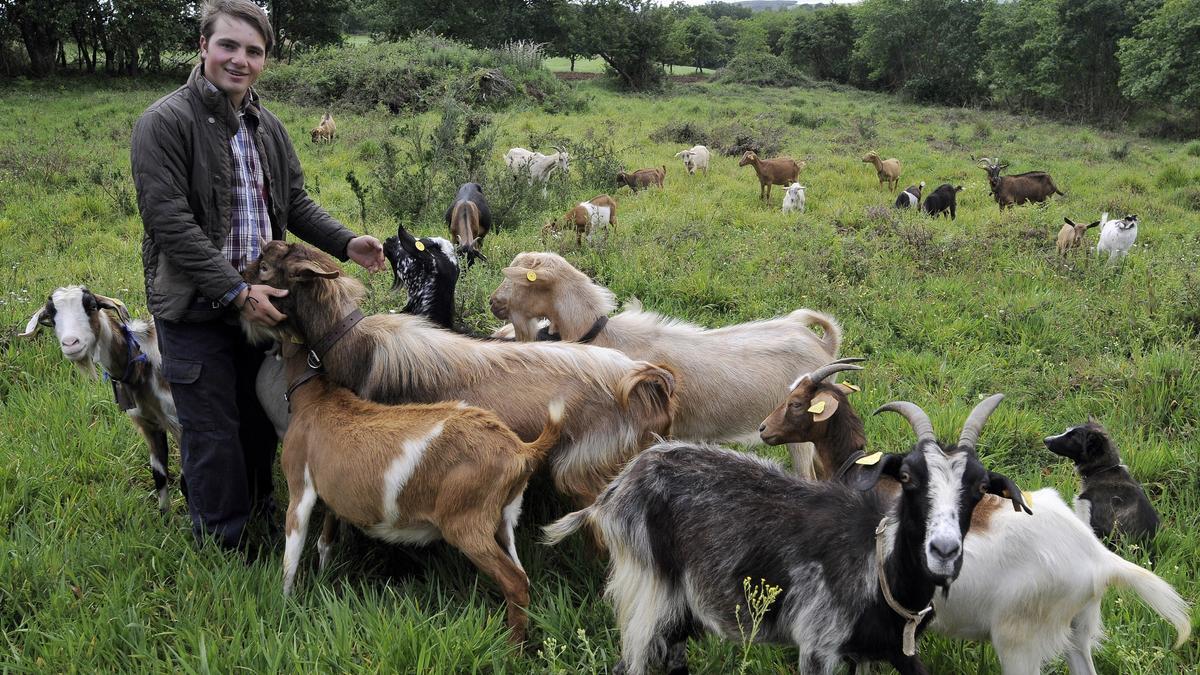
{"points": [[1160, 62], [307, 24], [483, 24], [631, 37], [822, 42], [699, 43], [759, 598], [761, 68]]}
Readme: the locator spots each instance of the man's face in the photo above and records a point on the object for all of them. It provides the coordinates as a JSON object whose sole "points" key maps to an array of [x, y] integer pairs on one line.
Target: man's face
{"points": [[233, 57]]}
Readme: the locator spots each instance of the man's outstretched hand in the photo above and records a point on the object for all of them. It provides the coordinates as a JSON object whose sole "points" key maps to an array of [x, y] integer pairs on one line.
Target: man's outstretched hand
{"points": [[367, 252]]}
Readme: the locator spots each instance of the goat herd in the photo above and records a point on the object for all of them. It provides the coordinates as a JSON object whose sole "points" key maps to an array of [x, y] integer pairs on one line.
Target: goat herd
{"points": [[412, 429]]}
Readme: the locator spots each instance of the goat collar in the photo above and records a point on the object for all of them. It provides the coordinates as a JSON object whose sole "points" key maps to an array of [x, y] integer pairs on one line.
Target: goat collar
{"points": [[300, 381], [1092, 472], [133, 357], [330, 339], [911, 620], [848, 464], [544, 335]]}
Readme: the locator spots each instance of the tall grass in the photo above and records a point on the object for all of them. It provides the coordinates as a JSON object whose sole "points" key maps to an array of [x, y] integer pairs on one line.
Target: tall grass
{"points": [[92, 579]]}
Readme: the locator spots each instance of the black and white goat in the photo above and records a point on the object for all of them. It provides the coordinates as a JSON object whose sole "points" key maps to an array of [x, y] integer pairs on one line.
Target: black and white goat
{"points": [[911, 197], [686, 524], [94, 329], [1031, 585]]}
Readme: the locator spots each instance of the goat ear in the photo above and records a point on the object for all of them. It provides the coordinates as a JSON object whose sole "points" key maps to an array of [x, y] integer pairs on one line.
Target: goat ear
{"points": [[35, 323], [114, 304], [999, 484], [872, 467], [525, 275], [823, 406], [307, 270], [1092, 224], [1068, 221]]}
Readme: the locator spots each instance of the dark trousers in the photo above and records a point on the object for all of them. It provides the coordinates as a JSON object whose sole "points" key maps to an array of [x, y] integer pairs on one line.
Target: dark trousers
{"points": [[228, 444]]}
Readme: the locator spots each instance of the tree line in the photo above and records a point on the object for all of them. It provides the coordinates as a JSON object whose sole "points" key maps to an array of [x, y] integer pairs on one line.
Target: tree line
{"points": [[1076, 58]]}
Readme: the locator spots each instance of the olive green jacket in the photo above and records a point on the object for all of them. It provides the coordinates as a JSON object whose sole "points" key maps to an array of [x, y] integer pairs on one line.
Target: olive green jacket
{"points": [[182, 169]]}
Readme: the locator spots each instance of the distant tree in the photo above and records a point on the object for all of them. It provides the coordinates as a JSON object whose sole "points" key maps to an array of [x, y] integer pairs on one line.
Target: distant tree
{"points": [[699, 42], [773, 27], [39, 23], [716, 10], [821, 42], [751, 38], [311, 23], [631, 37], [1161, 62], [568, 39], [483, 24]]}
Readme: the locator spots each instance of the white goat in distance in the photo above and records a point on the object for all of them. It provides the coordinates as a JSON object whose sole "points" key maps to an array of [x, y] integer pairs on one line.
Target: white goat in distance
{"points": [[535, 165]]}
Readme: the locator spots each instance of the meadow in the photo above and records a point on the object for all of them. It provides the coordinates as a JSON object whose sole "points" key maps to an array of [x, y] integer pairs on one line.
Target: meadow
{"points": [[93, 579]]}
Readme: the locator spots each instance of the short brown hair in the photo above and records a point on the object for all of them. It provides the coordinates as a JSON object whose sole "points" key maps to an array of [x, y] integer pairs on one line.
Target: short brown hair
{"points": [[237, 9]]}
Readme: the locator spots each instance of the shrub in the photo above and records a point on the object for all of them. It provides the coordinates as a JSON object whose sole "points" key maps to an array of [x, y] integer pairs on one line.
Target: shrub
{"points": [[761, 68], [800, 118], [595, 160], [737, 138], [1193, 149], [1173, 176], [1120, 152], [681, 132]]}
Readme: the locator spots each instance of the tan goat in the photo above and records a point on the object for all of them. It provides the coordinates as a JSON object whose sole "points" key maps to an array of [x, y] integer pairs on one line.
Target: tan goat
{"points": [[1071, 235], [887, 169], [614, 405], [587, 217], [730, 378], [409, 474], [324, 131], [642, 178], [778, 171]]}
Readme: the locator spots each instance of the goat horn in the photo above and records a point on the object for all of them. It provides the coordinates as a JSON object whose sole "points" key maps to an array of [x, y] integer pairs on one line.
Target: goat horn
{"points": [[975, 421], [838, 366], [916, 417]]}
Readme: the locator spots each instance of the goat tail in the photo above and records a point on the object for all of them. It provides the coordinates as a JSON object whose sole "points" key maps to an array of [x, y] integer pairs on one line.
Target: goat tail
{"points": [[651, 389], [565, 526], [1156, 593], [832, 338], [550, 432]]}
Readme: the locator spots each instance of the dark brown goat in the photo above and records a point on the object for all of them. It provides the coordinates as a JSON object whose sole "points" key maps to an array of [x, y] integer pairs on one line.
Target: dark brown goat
{"points": [[1031, 186], [642, 178]]}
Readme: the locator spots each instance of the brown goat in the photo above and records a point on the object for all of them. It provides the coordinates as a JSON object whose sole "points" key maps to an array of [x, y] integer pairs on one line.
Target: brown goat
{"points": [[614, 404], [410, 474], [642, 178], [1071, 235], [1031, 186], [887, 169], [324, 131], [585, 218], [778, 171]]}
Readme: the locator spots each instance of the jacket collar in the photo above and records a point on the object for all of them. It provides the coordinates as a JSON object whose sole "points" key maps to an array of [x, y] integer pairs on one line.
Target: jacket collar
{"points": [[217, 102]]}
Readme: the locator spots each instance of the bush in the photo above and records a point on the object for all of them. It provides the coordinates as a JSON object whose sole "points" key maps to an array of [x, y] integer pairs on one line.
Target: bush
{"points": [[1193, 149], [681, 132], [1173, 176], [763, 69], [800, 118], [413, 75]]}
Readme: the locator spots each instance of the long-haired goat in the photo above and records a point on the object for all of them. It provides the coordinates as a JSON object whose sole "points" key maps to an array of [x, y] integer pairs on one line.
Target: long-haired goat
{"points": [[614, 405], [1030, 585], [777, 171], [91, 329], [1031, 186], [686, 524], [729, 378], [409, 474], [888, 170], [469, 220], [535, 165]]}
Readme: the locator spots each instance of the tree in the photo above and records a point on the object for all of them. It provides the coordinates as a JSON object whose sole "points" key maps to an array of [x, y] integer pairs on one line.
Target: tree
{"points": [[568, 39], [631, 37], [1160, 61], [822, 42], [699, 41], [39, 23], [312, 23]]}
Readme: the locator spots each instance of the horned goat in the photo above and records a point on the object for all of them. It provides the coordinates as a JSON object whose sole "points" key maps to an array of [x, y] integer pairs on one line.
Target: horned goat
{"points": [[614, 405], [536, 166], [1031, 186], [856, 573]]}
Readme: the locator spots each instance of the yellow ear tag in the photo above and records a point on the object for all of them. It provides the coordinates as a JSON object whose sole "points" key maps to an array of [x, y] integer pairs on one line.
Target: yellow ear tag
{"points": [[531, 275], [870, 459], [420, 245], [295, 340], [849, 387], [818, 407]]}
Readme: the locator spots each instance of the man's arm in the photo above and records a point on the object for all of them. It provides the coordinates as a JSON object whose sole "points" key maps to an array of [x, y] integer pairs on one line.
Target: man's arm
{"points": [[160, 175]]}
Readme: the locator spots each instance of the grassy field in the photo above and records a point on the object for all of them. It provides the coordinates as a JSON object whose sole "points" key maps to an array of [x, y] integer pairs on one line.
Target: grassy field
{"points": [[92, 579]]}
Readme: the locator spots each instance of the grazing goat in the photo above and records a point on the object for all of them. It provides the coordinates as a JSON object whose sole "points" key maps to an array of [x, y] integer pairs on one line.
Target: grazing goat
{"points": [[1031, 186], [1071, 235], [942, 200], [888, 170], [409, 474], [598, 213], [778, 171], [687, 524], [535, 165], [324, 131], [1117, 237], [1030, 585], [91, 329], [469, 220], [793, 199], [694, 158], [911, 197], [642, 178], [614, 404], [729, 377], [1112, 501]]}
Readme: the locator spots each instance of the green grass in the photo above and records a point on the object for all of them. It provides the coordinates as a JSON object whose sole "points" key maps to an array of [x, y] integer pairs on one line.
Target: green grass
{"points": [[559, 63], [92, 579]]}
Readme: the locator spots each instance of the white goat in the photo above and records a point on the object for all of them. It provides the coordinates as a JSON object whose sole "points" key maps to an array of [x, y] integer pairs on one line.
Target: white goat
{"points": [[536, 165], [730, 378], [694, 158], [1117, 236], [91, 329], [793, 199]]}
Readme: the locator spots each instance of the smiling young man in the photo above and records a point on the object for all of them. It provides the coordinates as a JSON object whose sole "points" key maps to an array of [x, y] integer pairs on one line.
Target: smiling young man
{"points": [[216, 174]]}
